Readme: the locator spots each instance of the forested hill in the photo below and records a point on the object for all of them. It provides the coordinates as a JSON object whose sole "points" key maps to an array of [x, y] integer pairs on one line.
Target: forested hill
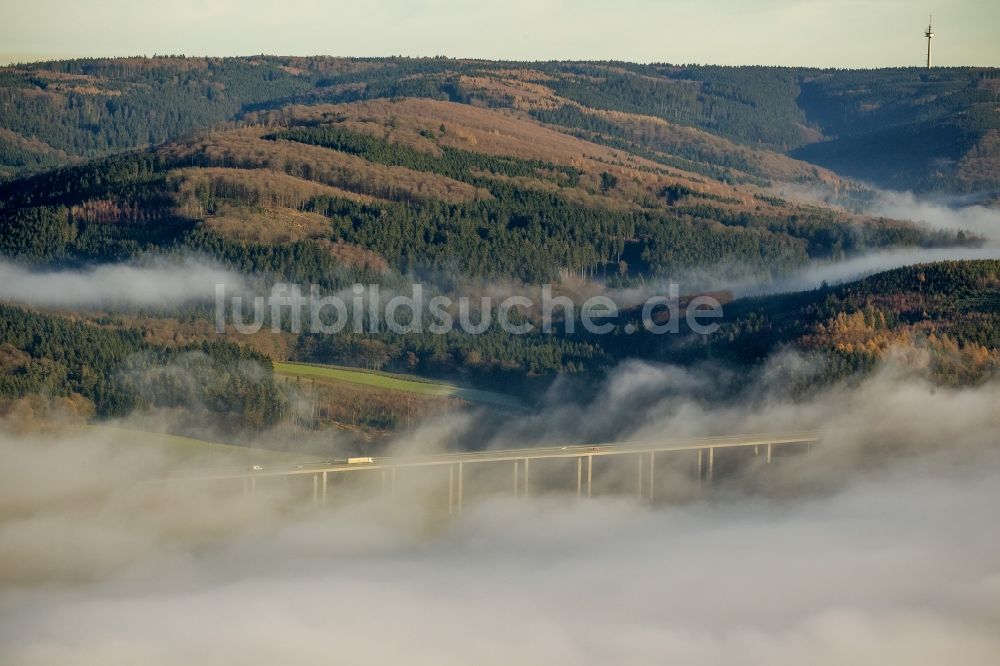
{"points": [[475, 176], [949, 310], [332, 194], [944, 317], [906, 128]]}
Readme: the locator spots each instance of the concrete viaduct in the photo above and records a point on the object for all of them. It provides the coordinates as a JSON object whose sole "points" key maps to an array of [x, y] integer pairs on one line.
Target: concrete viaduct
{"points": [[386, 471]]}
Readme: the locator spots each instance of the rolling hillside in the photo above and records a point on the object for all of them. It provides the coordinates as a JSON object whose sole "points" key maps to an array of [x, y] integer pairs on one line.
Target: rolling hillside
{"points": [[332, 194], [947, 314], [949, 311], [475, 178], [730, 123]]}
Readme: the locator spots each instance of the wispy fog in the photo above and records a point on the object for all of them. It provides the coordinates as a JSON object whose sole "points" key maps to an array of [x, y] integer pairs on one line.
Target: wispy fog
{"points": [[938, 213], [854, 268], [878, 547], [162, 283]]}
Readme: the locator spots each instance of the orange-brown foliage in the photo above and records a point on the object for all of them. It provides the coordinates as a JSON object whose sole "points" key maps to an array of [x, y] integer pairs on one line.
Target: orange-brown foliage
{"points": [[245, 149]]}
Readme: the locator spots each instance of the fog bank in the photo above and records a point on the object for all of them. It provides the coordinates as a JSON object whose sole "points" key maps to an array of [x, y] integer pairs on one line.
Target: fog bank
{"points": [[163, 283], [876, 548], [953, 215], [899, 569], [855, 268]]}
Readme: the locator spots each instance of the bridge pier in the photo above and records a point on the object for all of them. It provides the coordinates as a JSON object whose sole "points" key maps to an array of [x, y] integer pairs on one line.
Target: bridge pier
{"points": [[652, 474], [516, 479], [638, 489], [323, 484], [451, 489], [456, 487], [590, 475], [579, 477]]}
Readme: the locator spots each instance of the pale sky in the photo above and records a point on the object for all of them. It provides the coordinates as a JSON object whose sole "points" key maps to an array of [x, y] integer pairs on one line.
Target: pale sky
{"points": [[841, 33]]}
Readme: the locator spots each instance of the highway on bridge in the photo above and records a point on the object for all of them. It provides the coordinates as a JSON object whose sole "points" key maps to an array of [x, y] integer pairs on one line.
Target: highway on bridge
{"points": [[521, 459]]}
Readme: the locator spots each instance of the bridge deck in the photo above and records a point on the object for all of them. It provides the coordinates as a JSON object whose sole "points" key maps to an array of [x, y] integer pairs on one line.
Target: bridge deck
{"points": [[568, 451]]}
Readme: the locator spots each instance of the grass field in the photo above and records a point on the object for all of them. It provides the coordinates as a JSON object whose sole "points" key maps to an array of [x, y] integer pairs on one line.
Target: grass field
{"points": [[405, 383]]}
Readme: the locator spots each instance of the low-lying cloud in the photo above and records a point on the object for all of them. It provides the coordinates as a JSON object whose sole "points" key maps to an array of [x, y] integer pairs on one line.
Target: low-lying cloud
{"points": [[875, 548], [163, 283], [940, 214], [857, 267]]}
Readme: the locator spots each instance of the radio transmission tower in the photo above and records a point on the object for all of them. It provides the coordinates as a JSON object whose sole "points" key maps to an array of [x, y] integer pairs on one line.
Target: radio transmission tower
{"points": [[929, 35]]}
